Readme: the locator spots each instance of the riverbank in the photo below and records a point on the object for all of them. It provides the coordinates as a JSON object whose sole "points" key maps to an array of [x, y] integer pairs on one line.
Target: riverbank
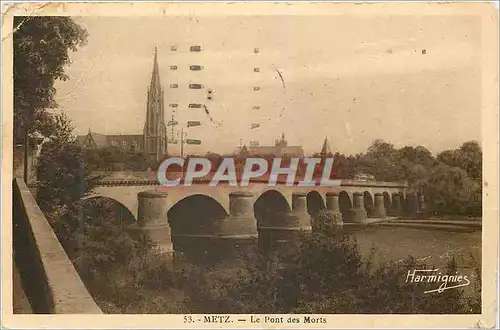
{"points": [[449, 225], [447, 217], [431, 223]]}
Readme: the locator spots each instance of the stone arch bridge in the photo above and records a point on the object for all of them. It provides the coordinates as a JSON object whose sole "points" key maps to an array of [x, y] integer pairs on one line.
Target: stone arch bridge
{"points": [[225, 211]]}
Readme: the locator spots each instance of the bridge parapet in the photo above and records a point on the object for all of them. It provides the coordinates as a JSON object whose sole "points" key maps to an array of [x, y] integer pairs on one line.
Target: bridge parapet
{"points": [[378, 184], [50, 281], [120, 178]]}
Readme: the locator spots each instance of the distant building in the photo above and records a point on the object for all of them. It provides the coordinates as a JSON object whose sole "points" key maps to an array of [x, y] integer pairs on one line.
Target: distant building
{"points": [[280, 149], [364, 177], [326, 150], [153, 140], [128, 142]]}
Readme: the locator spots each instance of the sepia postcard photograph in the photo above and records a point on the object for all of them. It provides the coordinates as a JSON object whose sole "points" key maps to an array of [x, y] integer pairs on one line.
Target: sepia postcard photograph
{"points": [[250, 165]]}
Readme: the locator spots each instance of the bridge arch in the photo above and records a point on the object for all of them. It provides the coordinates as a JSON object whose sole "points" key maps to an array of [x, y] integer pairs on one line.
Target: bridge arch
{"points": [[175, 195], [195, 214], [315, 203], [119, 212], [270, 207], [345, 204]]}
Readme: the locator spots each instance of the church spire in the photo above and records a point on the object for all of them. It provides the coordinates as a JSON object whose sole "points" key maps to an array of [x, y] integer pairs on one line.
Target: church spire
{"points": [[155, 78], [154, 128], [326, 150]]}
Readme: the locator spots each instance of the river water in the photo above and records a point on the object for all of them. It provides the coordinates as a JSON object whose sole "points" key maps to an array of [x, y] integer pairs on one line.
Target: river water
{"points": [[435, 247]]}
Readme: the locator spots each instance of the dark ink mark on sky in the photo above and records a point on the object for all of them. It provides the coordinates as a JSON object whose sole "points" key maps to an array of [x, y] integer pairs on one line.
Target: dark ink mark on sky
{"points": [[281, 77], [210, 117]]}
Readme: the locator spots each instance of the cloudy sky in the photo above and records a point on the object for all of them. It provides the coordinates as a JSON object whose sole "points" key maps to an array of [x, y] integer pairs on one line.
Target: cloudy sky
{"points": [[409, 80]]}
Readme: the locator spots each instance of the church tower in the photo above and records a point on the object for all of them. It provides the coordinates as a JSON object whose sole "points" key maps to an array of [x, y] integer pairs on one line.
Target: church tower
{"points": [[155, 131]]}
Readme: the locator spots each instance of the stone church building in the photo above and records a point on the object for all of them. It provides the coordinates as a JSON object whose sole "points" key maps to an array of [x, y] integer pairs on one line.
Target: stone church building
{"points": [[280, 149], [153, 140]]}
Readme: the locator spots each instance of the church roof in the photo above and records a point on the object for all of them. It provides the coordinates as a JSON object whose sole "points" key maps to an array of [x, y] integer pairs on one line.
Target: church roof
{"points": [[98, 140], [92, 139]]}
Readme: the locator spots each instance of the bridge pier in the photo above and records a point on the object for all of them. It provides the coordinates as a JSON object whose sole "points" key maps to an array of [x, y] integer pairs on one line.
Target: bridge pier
{"points": [[410, 205], [380, 211], [289, 227], [239, 229], [241, 220], [299, 209], [152, 218], [397, 208], [358, 212], [333, 206]]}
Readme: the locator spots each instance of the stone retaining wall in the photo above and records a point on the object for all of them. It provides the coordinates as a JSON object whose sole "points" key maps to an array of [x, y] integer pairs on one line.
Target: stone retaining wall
{"points": [[48, 277]]}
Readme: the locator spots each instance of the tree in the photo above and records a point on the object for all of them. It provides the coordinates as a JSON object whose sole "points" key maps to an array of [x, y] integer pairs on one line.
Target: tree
{"points": [[138, 162], [381, 161], [121, 268], [450, 190], [468, 157], [117, 159], [41, 45], [63, 179], [466, 163], [416, 155], [345, 167], [471, 158]]}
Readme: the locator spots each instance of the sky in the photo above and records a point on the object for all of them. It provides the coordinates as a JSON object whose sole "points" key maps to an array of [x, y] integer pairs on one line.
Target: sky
{"points": [[409, 80]]}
